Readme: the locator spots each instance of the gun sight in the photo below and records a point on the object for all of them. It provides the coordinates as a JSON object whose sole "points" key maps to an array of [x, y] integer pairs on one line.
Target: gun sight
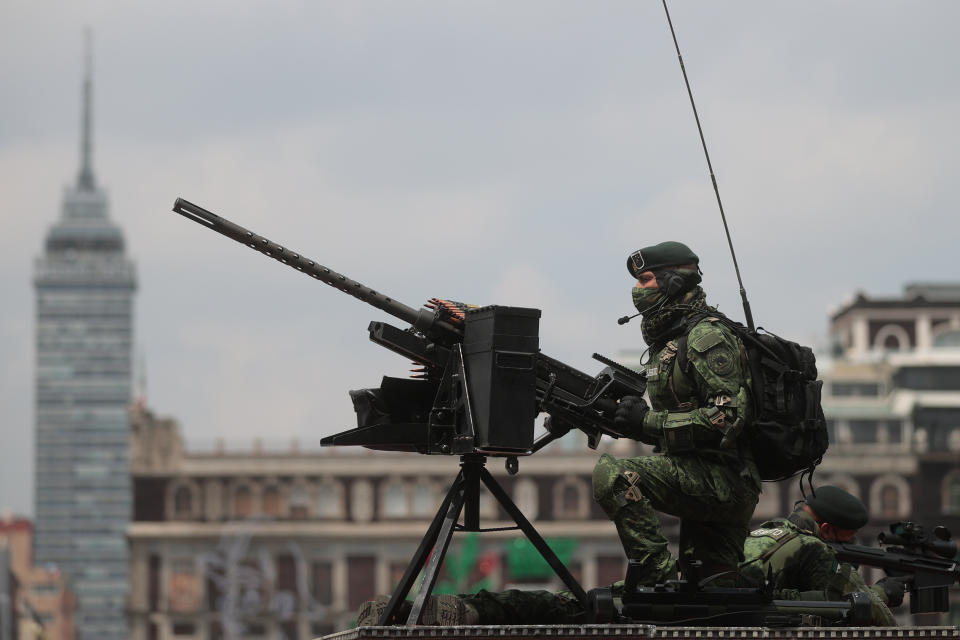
{"points": [[914, 537]]}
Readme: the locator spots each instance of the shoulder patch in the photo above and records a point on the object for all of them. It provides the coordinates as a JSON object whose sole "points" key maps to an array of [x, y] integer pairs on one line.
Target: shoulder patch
{"points": [[720, 361], [706, 340], [776, 534]]}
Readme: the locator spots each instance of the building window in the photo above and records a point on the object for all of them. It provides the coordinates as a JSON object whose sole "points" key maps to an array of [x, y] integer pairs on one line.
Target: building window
{"points": [[947, 339], [951, 493], [422, 501], [892, 337], [184, 586], [285, 586], [571, 499], [321, 577], [361, 579], [854, 389], [864, 431], [271, 501], [182, 503], [890, 497], [394, 499], [329, 500], [184, 628], [889, 501], [299, 502], [153, 582], [182, 500], [242, 502]]}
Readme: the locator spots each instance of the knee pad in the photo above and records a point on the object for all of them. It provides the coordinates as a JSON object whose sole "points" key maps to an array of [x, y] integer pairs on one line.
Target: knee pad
{"points": [[604, 476]]}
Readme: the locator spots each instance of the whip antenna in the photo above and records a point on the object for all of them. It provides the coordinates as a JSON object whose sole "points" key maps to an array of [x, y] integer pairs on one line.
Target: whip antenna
{"points": [[713, 178]]}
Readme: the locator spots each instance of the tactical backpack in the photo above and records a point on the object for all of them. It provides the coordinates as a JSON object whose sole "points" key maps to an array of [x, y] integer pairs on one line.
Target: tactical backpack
{"points": [[789, 432]]}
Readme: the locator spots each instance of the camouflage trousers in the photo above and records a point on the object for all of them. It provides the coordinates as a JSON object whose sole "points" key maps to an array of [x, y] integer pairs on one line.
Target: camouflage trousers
{"points": [[515, 606], [713, 500]]}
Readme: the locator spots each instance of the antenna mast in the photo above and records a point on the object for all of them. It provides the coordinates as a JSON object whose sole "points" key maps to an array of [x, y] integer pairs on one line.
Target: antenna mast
{"points": [[85, 178], [713, 178]]}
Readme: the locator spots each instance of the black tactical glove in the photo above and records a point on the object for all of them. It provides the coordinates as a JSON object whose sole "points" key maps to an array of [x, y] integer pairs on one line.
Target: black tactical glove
{"points": [[628, 418], [894, 588], [556, 427]]}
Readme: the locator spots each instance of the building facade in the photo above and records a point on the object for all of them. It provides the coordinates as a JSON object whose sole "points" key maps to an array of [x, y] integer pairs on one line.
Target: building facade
{"points": [[38, 604], [892, 400], [84, 329]]}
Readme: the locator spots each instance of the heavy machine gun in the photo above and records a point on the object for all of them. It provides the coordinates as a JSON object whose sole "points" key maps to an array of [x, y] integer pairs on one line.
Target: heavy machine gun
{"points": [[508, 380], [928, 563], [690, 603], [482, 383]]}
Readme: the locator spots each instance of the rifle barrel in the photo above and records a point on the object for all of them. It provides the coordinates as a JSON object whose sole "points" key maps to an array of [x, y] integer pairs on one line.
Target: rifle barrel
{"points": [[420, 318]]}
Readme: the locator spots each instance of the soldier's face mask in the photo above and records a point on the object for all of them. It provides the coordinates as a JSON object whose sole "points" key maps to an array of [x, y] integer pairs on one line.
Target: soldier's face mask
{"points": [[645, 299]]}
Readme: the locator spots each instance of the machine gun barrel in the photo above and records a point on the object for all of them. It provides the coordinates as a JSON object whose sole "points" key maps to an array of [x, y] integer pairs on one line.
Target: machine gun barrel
{"points": [[419, 318], [573, 398]]}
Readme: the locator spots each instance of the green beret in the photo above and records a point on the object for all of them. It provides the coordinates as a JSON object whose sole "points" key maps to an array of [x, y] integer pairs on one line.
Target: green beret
{"points": [[839, 508], [665, 254]]}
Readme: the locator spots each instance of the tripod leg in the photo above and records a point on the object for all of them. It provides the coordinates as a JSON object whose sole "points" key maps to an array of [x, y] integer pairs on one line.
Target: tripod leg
{"points": [[439, 551], [421, 554], [534, 537]]}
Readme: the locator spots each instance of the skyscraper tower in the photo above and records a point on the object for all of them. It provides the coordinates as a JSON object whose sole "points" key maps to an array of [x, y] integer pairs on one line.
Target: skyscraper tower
{"points": [[84, 295]]}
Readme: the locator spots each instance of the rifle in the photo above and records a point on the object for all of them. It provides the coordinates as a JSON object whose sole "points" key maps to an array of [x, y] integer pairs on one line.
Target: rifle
{"points": [[929, 562], [483, 378], [689, 603]]}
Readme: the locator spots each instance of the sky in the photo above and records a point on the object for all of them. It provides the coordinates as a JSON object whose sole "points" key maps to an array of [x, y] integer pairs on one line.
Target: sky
{"points": [[507, 153]]}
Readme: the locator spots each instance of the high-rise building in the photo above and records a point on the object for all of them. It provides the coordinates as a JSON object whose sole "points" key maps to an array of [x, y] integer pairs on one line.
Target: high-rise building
{"points": [[84, 295]]}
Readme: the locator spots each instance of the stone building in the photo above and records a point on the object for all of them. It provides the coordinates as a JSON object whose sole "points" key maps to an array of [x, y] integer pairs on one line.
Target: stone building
{"points": [[892, 400], [37, 603]]}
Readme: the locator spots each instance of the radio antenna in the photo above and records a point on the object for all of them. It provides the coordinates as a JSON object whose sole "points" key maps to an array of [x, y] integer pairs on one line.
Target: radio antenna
{"points": [[713, 178]]}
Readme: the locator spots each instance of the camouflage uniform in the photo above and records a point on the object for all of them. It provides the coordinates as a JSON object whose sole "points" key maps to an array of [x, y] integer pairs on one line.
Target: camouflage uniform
{"points": [[705, 476], [792, 550], [516, 606]]}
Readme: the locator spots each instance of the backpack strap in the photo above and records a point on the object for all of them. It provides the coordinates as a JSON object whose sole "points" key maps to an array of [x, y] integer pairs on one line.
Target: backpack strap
{"points": [[772, 550], [682, 360]]}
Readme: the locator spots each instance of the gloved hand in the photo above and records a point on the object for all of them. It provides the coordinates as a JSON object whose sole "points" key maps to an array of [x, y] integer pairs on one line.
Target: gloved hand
{"points": [[628, 418], [894, 588], [556, 426]]}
